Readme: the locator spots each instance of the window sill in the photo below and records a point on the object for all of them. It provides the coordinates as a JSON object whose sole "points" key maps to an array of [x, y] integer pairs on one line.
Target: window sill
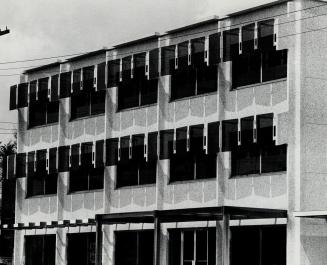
{"points": [[259, 84], [191, 97], [135, 187], [86, 117], [138, 107], [42, 126], [43, 196], [190, 181], [84, 191], [259, 174]]}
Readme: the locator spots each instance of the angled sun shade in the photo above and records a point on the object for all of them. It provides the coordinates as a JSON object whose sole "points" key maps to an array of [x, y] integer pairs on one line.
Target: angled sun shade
{"points": [[54, 88], [167, 59], [32, 94], [138, 147], [11, 160], [75, 156], [213, 137], [229, 134], [248, 38], [22, 95], [196, 139], [43, 84], [247, 130], [53, 160], [265, 129], [99, 151], [13, 97], [197, 51], [182, 51], [63, 158], [152, 146], [65, 84], [181, 140], [154, 63], [113, 72], [266, 34], [112, 151], [101, 76], [86, 154], [214, 49], [88, 78], [77, 75], [21, 165], [231, 44], [166, 143]]}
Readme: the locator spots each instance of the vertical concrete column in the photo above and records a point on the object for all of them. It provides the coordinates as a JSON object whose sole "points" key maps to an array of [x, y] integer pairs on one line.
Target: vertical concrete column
{"points": [[98, 241], [61, 246], [156, 242], [223, 240]]}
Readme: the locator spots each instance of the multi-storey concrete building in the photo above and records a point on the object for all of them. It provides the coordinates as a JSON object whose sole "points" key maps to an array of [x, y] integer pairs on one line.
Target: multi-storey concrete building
{"points": [[204, 145]]}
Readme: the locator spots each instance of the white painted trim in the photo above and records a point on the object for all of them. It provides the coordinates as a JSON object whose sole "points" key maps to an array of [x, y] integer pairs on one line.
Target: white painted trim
{"points": [[310, 214]]}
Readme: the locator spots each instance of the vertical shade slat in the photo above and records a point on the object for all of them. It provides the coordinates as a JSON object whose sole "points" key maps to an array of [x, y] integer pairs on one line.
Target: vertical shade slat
{"points": [[101, 76], [65, 84], [214, 48], [54, 88], [154, 63], [13, 97]]}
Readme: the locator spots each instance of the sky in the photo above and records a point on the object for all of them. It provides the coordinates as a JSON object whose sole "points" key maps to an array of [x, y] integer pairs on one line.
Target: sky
{"points": [[48, 28]]}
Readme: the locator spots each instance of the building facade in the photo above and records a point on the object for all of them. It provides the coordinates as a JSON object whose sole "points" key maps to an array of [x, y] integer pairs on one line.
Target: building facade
{"points": [[203, 145]]}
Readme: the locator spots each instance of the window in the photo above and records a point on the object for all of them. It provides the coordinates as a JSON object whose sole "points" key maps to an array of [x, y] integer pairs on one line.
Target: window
{"points": [[136, 89], [214, 48], [193, 163], [22, 95], [258, 245], [40, 250], [135, 170], [81, 249], [192, 246], [43, 112], [13, 97], [87, 103], [39, 181], [139, 250], [82, 179]]}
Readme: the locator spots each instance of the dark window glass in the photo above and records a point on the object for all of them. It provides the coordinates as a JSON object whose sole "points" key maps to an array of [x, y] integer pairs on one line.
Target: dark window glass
{"points": [[127, 68], [265, 129], [53, 160], [246, 69], [65, 84], [183, 83], [138, 147], [231, 44], [181, 167], [63, 161], [12, 101], [128, 94], [140, 247], [174, 246], [181, 140], [81, 179], [101, 76], [247, 130], [40, 250], [75, 156], [98, 100], [152, 146], [266, 34], [81, 249], [37, 114], [54, 88], [213, 138], [214, 49], [154, 63], [43, 89], [77, 81], [246, 160], [124, 148], [111, 151], [52, 112], [248, 38], [196, 139], [167, 59], [11, 166], [127, 173], [99, 152], [182, 52], [207, 77], [205, 166], [22, 95], [149, 92], [30, 163], [80, 105], [188, 244], [274, 65], [113, 72], [88, 78], [8, 206], [147, 172], [86, 154], [229, 134], [33, 85], [166, 143], [21, 165], [273, 158], [197, 48]]}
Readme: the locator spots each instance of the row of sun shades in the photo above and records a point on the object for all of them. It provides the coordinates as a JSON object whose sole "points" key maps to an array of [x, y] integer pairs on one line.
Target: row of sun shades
{"points": [[195, 139], [196, 52]]}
